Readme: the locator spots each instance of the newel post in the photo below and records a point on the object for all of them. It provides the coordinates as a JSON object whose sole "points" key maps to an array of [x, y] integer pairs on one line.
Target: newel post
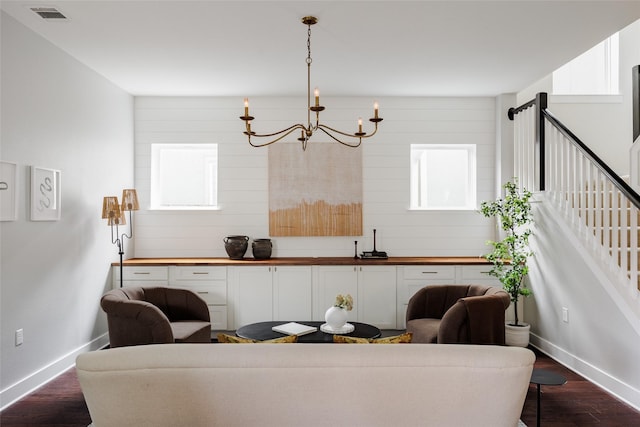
{"points": [[541, 104]]}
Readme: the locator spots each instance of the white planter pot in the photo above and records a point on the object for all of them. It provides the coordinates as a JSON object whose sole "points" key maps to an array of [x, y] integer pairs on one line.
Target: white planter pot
{"points": [[517, 336], [336, 317]]}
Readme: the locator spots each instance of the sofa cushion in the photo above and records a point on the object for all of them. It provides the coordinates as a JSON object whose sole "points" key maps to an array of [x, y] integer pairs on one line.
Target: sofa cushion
{"points": [[232, 339], [191, 331], [424, 330]]}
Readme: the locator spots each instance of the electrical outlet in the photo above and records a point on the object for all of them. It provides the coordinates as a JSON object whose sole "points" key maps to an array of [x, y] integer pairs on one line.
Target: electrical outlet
{"points": [[19, 337], [565, 314]]}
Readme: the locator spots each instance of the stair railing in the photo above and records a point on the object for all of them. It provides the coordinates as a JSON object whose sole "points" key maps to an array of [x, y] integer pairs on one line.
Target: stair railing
{"points": [[549, 158]]}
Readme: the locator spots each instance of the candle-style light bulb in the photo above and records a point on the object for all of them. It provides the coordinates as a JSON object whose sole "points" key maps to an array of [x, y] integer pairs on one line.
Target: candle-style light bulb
{"points": [[360, 124], [375, 110], [246, 107], [316, 93]]}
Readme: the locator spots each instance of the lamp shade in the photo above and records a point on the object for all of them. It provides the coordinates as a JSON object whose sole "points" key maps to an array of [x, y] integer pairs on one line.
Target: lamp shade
{"points": [[130, 200], [110, 207], [117, 220]]}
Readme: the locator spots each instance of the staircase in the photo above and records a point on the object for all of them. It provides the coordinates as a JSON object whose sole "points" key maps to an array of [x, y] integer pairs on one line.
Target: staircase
{"points": [[601, 207]]}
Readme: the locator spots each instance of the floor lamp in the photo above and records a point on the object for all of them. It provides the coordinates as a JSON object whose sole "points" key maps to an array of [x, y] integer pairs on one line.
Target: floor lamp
{"points": [[114, 213]]}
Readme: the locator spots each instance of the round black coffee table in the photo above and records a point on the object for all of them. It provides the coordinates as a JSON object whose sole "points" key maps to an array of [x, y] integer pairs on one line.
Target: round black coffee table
{"points": [[262, 331]]}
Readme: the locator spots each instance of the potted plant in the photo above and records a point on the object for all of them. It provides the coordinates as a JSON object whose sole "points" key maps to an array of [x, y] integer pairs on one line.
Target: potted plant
{"points": [[509, 255]]}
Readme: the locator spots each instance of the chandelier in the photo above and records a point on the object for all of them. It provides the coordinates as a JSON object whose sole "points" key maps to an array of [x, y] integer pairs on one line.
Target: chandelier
{"points": [[306, 131]]}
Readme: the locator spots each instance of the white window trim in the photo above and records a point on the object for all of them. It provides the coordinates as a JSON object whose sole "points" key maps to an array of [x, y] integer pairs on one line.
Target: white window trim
{"points": [[154, 204], [611, 69], [585, 99], [471, 184]]}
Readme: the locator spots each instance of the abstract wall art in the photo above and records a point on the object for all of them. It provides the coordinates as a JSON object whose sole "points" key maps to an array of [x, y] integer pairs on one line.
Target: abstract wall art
{"points": [[315, 192]]}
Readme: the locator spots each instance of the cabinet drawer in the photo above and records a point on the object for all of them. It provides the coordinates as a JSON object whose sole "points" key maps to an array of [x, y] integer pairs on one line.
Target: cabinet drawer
{"points": [[476, 272], [142, 273], [430, 272], [198, 273], [212, 293]]}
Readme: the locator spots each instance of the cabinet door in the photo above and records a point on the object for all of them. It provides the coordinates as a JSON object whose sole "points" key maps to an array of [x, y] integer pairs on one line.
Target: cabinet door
{"points": [[334, 280], [377, 296], [208, 282], [252, 294], [292, 293]]}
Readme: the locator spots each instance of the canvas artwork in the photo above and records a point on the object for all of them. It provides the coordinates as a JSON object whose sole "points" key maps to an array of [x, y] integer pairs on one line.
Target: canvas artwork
{"points": [[45, 194], [8, 193], [317, 192]]}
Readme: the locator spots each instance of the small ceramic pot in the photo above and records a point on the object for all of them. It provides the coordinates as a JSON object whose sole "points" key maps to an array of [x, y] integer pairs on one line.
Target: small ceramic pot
{"points": [[261, 248], [236, 246]]}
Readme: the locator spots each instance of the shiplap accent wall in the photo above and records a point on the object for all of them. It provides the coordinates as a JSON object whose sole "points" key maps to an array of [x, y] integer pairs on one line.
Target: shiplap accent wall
{"points": [[243, 174]]}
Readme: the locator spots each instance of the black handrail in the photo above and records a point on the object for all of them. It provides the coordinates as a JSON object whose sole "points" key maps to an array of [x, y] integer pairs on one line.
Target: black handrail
{"points": [[541, 105], [513, 111]]}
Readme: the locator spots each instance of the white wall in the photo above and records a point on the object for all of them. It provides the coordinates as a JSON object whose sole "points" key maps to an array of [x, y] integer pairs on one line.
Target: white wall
{"points": [[57, 113], [598, 341], [603, 123], [243, 189]]}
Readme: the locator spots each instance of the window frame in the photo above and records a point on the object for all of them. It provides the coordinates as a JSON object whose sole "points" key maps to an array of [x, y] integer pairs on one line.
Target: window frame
{"points": [[209, 169], [608, 52], [417, 193]]}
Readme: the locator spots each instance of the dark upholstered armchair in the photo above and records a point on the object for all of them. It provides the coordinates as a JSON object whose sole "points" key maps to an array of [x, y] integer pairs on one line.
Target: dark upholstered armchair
{"points": [[155, 315], [458, 314]]}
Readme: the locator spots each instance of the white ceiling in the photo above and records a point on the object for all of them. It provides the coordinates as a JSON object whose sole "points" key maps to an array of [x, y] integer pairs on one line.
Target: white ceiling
{"points": [[359, 48]]}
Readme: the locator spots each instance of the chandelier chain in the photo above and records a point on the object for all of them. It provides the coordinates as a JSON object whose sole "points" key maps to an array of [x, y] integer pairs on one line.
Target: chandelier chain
{"points": [[309, 60]]}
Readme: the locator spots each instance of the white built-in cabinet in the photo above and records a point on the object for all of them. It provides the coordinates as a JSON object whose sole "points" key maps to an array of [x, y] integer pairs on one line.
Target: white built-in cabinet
{"points": [[264, 293], [373, 288], [210, 283], [292, 293], [244, 294], [333, 280]]}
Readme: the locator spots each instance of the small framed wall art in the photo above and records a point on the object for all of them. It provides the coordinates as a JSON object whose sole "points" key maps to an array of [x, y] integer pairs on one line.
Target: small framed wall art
{"points": [[8, 179], [45, 194]]}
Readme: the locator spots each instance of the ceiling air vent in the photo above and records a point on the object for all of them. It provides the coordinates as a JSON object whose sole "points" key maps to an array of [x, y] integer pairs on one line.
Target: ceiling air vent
{"points": [[48, 13]]}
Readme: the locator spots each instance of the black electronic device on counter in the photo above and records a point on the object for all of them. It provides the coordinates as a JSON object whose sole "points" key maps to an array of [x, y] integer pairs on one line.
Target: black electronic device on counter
{"points": [[374, 254]]}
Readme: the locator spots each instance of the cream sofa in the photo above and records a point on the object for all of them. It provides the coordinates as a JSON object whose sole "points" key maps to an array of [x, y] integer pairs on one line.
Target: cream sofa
{"points": [[305, 385]]}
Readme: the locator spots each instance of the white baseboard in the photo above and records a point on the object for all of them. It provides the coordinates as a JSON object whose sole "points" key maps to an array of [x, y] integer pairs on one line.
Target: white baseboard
{"points": [[619, 389], [15, 392]]}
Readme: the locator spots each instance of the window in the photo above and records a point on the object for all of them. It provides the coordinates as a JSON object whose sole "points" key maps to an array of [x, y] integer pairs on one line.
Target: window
{"points": [[184, 176], [595, 72], [443, 176]]}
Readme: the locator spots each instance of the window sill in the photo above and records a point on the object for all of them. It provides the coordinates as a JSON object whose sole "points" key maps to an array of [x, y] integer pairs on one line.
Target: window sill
{"points": [[585, 99]]}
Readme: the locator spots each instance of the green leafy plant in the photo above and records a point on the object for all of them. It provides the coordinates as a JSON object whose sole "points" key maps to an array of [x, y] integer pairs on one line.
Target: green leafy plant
{"points": [[509, 255]]}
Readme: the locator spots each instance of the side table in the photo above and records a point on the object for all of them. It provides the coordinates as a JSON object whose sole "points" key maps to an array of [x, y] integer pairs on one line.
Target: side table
{"points": [[544, 377]]}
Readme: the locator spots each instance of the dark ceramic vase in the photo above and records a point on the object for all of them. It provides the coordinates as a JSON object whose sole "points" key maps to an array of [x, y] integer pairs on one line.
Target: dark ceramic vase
{"points": [[236, 246], [261, 248]]}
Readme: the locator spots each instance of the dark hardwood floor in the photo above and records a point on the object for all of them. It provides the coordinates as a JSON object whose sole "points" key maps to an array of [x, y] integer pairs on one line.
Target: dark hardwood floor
{"points": [[577, 403]]}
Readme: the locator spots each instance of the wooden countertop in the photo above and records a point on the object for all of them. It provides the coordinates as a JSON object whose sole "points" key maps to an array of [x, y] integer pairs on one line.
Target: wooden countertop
{"points": [[306, 261]]}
